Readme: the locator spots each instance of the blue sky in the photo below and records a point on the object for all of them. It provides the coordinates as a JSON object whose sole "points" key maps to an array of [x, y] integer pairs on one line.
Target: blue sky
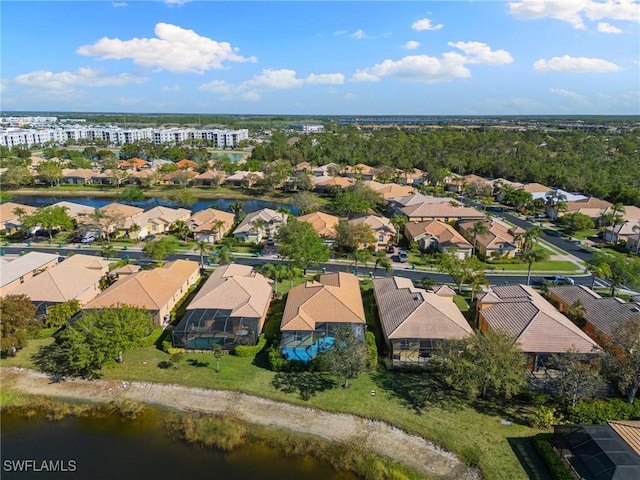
{"points": [[324, 58]]}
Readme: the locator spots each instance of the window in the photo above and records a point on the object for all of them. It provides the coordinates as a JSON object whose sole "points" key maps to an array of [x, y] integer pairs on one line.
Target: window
{"points": [[297, 337]]}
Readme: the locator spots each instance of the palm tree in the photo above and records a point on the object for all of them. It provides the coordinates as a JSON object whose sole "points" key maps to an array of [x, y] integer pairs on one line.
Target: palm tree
{"points": [[217, 352], [556, 202], [577, 312], [382, 261], [203, 248], [292, 273], [598, 270], [531, 234], [479, 228], [361, 256], [133, 229], [180, 229], [260, 225], [216, 228], [224, 255], [107, 251], [275, 272], [636, 230], [236, 208], [617, 209], [476, 282], [532, 256]]}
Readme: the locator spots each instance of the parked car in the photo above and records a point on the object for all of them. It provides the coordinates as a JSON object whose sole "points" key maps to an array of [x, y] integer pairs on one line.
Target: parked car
{"points": [[403, 256], [391, 249], [89, 237], [148, 238], [559, 280], [271, 241]]}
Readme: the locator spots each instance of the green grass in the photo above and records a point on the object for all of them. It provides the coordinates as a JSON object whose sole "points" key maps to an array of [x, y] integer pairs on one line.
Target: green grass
{"points": [[461, 303], [584, 234], [546, 266]]}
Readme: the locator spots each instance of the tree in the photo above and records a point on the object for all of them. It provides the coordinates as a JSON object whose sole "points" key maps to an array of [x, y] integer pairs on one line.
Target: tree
{"points": [[181, 198], [479, 228], [218, 353], [203, 248], [576, 221], [555, 203], [16, 176], [598, 269], [477, 283], [107, 221], [130, 195], [361, 256], [236, 208], [623, 357], [462, 270], [382, 261], [50, 172], [618, 270], [531, 236], [49, 218], [305, 202], [292, 273], [107, 251], [351, 202], [301, 244], [95, 340], [159, 249], [180, 229], [61, 313], [482, 364], [347, 358], [536, 254], [349, 236], [18, 318], [275, 272], [577, 376], [224, 255]]}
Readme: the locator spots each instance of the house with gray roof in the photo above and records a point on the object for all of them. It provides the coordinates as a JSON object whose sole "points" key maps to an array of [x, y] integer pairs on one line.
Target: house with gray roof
{"points": [[17, 271], [414, 321], [538, 328], [602, 315], [258, 225]]}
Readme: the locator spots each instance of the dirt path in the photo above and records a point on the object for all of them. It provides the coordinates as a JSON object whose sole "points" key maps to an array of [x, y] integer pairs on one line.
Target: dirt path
{"points": [[381, 438]]}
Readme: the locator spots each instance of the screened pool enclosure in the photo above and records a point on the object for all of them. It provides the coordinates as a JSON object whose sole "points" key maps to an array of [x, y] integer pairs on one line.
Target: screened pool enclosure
{"points": [[202, 329]]}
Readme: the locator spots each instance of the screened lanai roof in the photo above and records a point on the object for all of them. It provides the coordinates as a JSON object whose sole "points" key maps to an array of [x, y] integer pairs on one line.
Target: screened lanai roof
{"points": [[599, 453]]}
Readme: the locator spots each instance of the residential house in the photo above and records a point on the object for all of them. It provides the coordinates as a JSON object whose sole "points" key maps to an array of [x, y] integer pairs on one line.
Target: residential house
{"points": [[326, 184], [15, 272], [158, 290], [444, 211], [538, 328], [210, 225], [626, 229], [323, 223], [185, 164], [76, 211], [134, 164], [330, 169], [591, 207], [383, 230], [154, 221], [179, 177], [602, 315], [439, 236], [537, 190], [303, 167], [244, 178], [210, 178], [228, 310], [500, 239], [77, 277], [259, 225], [414, 321], [360, 172], [454, 183], [315, 309], [396, 204], [9, 220], [389, 190], [106, 177], [78, 175], [412, 177], [116, 215], [477, 183]]}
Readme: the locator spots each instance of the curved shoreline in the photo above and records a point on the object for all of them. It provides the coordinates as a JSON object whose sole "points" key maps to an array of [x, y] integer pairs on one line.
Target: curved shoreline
{"points": [[383, 439]]}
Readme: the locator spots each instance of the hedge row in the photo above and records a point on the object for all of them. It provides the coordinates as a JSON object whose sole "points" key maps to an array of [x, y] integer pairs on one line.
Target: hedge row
{"points": [[557, 468], [152, 338], [251, 351], [601, 411]]}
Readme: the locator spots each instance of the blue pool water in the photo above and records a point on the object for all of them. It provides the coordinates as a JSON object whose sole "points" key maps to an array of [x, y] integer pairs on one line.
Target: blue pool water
{"points": [[306, 354]]}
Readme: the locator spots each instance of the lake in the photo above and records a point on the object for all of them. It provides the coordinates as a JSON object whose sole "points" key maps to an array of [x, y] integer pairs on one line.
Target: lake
{"points": [[112, 447], [233, 156], [97, 202]]}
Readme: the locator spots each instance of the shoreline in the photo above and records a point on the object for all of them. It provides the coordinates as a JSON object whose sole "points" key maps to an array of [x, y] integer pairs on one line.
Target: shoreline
{"points": [[375, 436]]}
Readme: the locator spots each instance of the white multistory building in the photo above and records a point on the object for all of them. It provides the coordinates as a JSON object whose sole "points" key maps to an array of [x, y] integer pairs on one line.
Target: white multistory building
{"points": [[221, 138]]}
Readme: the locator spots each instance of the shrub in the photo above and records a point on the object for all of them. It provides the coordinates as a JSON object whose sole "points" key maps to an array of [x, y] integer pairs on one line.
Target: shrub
{"points": [[544, 417], [372, 349], [152, 338], [556, 467], [46, 332], [601, 411], [166, 346], [175, 351], [253, 350]]}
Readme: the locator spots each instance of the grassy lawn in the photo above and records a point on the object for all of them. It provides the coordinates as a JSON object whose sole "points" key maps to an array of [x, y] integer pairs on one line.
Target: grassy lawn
{"points": [[584, 234], [546, 266]]}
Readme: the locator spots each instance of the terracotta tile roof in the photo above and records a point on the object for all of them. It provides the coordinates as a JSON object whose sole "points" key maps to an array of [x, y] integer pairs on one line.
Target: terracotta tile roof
{"points": [[127, 269], [74, 209], [243, 175], [359, 168], [323, 223], [202, 221], [160, 215], [416, 199], [6, 211], [473, 178], [23, 265], [149, 289], [538, 327], [590, 202], [334, 298], [629, 431], [409, 312], [64, 281], [605, 314], [121, 209], [391, 190], [179, 174], [443, 232], [444, 291], [134, 163], [441, 210], [210, 175], [536, 188], [337, 182], [499, 234], [237, 288], [184, 163], [84, 173]]}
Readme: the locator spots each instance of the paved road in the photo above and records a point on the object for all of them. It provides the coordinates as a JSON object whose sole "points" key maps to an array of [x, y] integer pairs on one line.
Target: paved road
{"points": [[402, 270]]}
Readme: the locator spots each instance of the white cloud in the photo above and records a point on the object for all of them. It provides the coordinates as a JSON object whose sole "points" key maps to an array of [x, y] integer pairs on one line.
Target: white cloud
{"points": [[604, 27], [85, 77], [423, 68], [425, 24], [269, 80], [340, 32], [359, 34], [569, 94], [171, 88], [478, 52], [174, 49], [411, 45], [118, 4], [575, 65], [574, 12], [326, 78]]}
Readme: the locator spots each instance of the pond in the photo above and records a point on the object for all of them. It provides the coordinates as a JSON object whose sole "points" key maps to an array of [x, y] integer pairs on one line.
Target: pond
{"points": [[112, 447], [97, 202], [233, 156]]}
